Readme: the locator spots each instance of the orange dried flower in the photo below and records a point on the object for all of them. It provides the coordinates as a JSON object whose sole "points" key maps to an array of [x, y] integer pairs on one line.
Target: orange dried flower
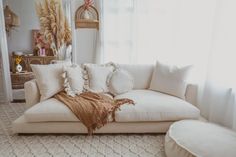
{"points": [[18, 59]]}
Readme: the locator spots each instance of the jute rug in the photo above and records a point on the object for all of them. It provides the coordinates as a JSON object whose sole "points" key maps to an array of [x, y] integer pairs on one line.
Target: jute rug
{"points": [[72, 145]]}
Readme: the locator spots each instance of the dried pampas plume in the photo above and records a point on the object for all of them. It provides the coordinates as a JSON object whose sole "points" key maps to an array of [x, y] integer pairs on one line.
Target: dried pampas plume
{"points": [[53, 23]]}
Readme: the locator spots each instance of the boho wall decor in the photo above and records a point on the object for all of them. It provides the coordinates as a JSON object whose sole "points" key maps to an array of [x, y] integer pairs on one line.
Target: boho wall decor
{"points": [[40, 47], [11, 19], [87, 16]]}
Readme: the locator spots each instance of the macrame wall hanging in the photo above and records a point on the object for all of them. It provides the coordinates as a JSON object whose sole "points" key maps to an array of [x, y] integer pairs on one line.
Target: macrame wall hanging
{"points": [[11, 19], [87, 16]]}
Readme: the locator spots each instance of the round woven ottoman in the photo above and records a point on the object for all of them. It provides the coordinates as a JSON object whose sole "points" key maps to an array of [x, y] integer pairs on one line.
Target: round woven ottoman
{"points": [[192, 138]]}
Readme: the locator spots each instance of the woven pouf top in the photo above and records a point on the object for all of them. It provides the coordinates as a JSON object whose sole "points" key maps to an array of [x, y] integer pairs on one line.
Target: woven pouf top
{"points": [[190, 138]]}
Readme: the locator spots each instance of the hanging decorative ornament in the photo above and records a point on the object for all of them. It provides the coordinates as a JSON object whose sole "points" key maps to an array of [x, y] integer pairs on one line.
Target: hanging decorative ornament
{"points": [[88, 3], [11, 19], [87, 15]]}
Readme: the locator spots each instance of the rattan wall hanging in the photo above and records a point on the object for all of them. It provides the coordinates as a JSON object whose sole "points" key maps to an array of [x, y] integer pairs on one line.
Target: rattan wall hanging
{"points": [[87, 16], [11, 19]]}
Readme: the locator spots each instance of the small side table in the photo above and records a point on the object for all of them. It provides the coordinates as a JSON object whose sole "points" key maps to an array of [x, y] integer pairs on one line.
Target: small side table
{"points": [[18, 79]]}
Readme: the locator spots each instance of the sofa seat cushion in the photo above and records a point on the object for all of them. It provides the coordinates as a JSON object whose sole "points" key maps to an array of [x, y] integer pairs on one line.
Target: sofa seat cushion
{"points": [[49, 110], [154, 106], [150, 106]]}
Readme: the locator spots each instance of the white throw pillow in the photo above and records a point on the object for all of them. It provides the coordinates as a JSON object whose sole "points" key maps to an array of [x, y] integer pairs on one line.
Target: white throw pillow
{"points": [[97, 76], [170, 79], [49, 79], [73, 80], [120, 82]]}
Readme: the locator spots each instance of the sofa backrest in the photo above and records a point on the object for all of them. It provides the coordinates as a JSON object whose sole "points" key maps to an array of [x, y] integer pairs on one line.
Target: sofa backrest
{"points": [[142, 74]]}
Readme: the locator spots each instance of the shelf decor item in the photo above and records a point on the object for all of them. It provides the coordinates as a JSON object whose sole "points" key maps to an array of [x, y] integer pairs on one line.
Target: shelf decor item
{"points": [[11, 19], [40, 46], [54, 26], [27, 60], [18, 66], [87, 16]]}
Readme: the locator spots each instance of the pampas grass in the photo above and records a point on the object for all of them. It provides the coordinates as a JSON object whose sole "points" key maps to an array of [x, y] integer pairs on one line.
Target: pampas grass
{"points": [[53, 23]]}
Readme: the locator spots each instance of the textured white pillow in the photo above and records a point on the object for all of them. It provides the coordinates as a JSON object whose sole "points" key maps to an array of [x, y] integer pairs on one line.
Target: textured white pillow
{"points": [[73, 79], [97, 76], [49, 79], [170, 79], [120, 82]]}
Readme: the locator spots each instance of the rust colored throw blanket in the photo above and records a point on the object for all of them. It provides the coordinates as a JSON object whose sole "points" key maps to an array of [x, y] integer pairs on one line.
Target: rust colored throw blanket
{"points": [[92, 109]]}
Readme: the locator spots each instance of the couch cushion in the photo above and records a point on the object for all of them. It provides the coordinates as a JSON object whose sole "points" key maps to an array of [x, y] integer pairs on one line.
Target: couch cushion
{"points": [[155, 106], [150, 106], [49, 110], [120, 81], [142, 74], [170, 79], [73, 80], [44, 73], [97, 76]]}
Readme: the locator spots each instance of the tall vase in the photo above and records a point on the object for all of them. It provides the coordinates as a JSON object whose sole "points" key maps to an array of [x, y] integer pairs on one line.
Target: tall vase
{"points": [[61, 52]]}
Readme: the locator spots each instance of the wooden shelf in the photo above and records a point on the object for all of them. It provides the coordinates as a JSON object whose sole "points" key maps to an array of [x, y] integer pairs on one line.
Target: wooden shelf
{"points": [[27, 60], [87, 24]]}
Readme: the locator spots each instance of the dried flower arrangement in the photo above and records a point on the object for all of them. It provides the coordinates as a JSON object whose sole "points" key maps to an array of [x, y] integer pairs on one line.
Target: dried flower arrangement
{"points": [[18, 59], [54, 25]]}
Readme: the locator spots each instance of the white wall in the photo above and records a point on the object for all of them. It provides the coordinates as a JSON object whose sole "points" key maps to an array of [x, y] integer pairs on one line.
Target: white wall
{"points": [[85, 39], [20, 39]]}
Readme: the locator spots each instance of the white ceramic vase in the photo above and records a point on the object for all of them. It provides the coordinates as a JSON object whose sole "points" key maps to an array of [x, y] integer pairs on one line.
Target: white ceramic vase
{"points": [[18, 68]]}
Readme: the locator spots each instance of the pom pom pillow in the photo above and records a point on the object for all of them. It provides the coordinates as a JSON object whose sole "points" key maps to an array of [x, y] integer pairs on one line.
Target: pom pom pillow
{"points": [[73, 80], [97, 77]]}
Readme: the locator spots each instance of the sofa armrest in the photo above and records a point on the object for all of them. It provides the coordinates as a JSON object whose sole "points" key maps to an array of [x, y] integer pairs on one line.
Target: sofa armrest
{"points": [[191, 94], [32, 94]]}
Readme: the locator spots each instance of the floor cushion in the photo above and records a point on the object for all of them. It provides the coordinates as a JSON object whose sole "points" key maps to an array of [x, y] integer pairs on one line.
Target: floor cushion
{"points": [[154, 106], [149, 106], [190, 138]]}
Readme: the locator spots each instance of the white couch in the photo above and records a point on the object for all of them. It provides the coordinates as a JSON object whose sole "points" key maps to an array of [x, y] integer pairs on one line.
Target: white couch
{"points": [[153, 112]]}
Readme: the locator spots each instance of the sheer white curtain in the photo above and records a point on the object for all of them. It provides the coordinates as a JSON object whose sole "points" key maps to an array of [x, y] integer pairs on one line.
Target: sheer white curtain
{"points": [[138, 31], [218, 96], [198, 32], [5, 81]]}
